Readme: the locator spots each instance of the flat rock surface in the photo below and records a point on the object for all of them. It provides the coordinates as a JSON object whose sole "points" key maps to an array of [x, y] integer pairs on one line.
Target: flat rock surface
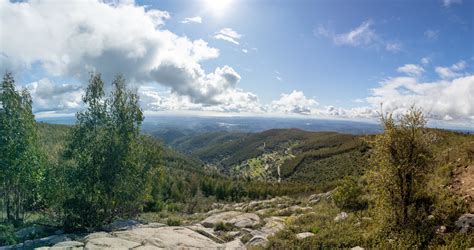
{"points": [[235, 218], [167, 237]]}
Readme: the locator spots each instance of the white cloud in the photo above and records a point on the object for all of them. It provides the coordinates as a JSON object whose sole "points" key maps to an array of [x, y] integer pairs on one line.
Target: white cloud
{"points": [[294, 102], [48, 96], [431, 34], [196, 19], [245, 51], [278, 75], [447, 3], [425, 60], [235, 101], [411, 70], [361, 36], [116, 37], [393, 46], [440, 99], [229, 35], [451, 71]]}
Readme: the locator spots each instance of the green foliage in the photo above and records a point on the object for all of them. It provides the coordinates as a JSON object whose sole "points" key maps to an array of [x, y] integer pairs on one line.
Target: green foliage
{"points": [[7, 235], [348, 195], [112, 165], [21, 162], [401, 158], [328, 233], [173, 221], [226, 227]]}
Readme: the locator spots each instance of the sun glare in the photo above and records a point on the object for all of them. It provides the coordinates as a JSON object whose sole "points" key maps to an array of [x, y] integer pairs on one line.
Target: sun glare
{"points": [[217, 7]]}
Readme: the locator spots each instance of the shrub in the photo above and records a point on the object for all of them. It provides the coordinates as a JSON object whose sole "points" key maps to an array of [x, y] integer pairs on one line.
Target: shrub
{"points": [[7, 235], [173, 221], [226, 227], [348, 195]]}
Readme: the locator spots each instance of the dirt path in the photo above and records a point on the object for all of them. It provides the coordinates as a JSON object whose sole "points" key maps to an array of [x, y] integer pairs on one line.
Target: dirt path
{"points": [[463, 184]]}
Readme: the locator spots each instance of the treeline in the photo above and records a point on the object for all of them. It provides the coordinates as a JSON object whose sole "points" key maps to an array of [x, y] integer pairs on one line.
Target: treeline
{"points": [[189, 192]]}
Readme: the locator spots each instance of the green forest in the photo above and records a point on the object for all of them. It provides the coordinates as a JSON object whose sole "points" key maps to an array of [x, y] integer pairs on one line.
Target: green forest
{"points": [[104, 167]]}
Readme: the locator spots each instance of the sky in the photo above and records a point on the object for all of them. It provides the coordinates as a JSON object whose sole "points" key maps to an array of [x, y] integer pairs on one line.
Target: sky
{"points": [[314, 59]]}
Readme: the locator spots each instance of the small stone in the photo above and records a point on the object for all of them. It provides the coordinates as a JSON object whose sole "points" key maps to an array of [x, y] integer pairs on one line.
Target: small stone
{"points": [[257, 241], [441, 230], [301, 236], [341, 216], [465, 222]]}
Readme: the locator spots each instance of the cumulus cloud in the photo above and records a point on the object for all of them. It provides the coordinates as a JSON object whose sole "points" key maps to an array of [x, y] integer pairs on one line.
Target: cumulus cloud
{"points": [[196, 19], [233, 101], [363, 35], [440, 99], [451, 71], [411, 69], [112, 37], [294, 102], [49, 96], [229, 35]]}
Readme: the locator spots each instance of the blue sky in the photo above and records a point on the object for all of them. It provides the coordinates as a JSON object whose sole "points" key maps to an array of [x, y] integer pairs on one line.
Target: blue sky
{"points": [[331, 59]]}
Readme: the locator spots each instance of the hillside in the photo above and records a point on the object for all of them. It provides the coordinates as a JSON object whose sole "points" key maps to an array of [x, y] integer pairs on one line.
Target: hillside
{"points": [[280, 185], [290, 155], [53, 137]]}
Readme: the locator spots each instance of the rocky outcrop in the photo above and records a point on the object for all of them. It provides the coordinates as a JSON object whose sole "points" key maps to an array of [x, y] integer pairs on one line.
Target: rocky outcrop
{"points": [[120, 225], [240, 222], [257, 241], [271, 227], [111, 243], [315, 198], [238, 219], [46, 241], [145, 238]]}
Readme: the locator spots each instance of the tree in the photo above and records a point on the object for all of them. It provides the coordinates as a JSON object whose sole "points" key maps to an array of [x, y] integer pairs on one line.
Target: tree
{"points": [[20, 158], [401, 157], [113, 163]]}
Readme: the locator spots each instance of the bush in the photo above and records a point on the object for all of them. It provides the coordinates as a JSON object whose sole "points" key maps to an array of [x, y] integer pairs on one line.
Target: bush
{"points": [[348, 195], [7, 235], [173, 221], [226, 227]]}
